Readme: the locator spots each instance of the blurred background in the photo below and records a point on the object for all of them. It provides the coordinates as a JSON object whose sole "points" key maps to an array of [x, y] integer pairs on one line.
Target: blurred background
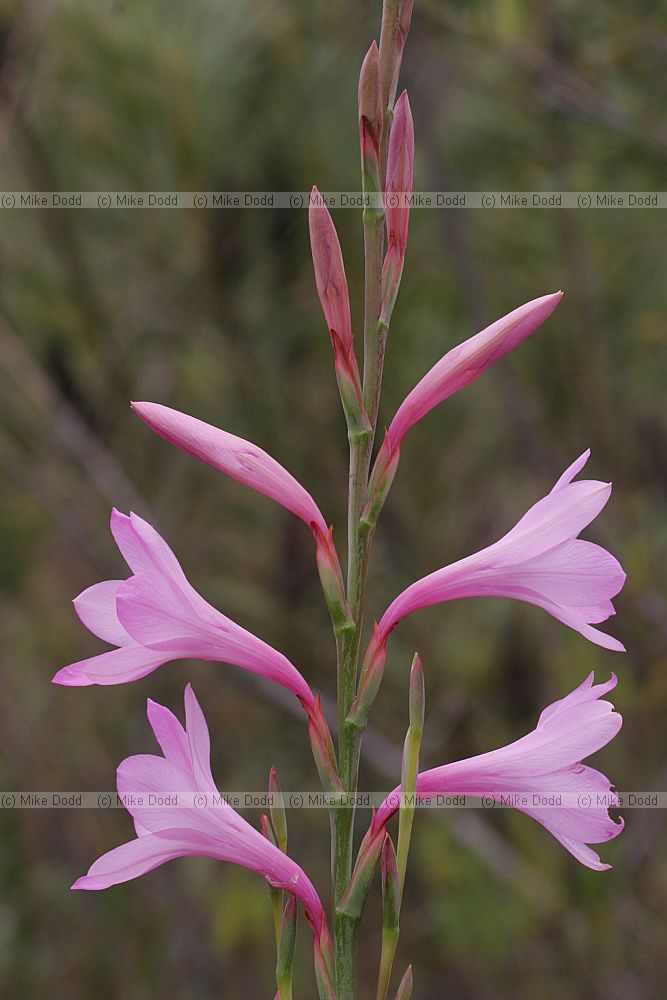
{"points": [[215, 313]]}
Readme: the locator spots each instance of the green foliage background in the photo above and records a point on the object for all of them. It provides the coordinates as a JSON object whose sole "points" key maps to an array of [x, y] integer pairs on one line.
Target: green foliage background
{"points": [[215, 312]]}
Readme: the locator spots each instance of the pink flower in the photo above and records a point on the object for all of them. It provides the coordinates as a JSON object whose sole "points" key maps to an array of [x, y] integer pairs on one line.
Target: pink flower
{"points": [[237, 458], [457, 369], [541, 561], [463, 364], [533, 770], [198, 823], [156, 616]]}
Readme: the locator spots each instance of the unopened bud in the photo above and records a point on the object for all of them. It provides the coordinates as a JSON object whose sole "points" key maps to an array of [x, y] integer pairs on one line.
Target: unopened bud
{"points": [[405, 989], [287, 941], [371, 120], [323, 748], [277, 810], [370, 679], [331, 578], [352, 901], [380, 482]]}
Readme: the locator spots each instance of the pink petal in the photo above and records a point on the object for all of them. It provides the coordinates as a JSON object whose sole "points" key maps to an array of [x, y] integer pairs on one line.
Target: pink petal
{"points": [[199, 740], [170, 734], [572, 470], [157, 612], [237, 458], [142, 855], [96, 607], [143, 549], [118, 666], [556, 518]]}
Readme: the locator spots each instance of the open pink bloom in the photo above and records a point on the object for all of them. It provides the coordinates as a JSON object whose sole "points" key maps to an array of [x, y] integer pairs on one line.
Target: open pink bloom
{"points": [[237, 458], [537, 767], [156, 616], [464, 363], [541, 561], [199, 823]]}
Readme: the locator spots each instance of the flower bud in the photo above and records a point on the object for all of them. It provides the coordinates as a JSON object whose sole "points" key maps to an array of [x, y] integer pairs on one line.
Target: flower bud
{"points": [[369, 682], [405, 989], [352, 901], [400, 166], [371, 119], [287, 941], [331, 578], [277, 810], [380, 482], [323, 748]]}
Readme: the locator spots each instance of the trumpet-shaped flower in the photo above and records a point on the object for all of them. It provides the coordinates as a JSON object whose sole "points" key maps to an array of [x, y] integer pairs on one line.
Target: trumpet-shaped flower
{"points": [[237, 458], [197, 822], [541, 774], [156, 616], [541, 561]]}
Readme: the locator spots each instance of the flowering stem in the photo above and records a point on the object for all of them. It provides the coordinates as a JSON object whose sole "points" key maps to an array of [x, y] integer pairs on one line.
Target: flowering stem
{"points": [[361, 447]]}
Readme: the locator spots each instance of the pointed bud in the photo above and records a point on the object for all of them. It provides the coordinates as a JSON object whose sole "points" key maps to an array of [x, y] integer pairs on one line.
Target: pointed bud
{"points": [[287, 941], [329, 270], [331, 578], [405, 989], [402, 29], [334, 298], [380, 483], [371, 120], [391, 888], [352, 901], [323, 748], [278, 817], [417, 696], [265, 829], [467, 361], [370, 679], [400, 166]]}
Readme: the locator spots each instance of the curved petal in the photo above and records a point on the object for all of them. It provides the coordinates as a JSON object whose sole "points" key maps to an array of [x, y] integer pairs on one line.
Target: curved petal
{"points": [[96, 608], [142, 548], [118, 666], [142, 855], [169, 733]]}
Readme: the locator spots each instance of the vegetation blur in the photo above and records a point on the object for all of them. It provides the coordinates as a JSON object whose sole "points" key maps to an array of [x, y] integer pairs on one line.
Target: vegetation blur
{"points": [[215, 312]]}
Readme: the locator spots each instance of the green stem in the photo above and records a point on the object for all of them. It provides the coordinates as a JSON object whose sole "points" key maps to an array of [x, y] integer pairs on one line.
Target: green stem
{"points": [[389, 942], [361, 448]]}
